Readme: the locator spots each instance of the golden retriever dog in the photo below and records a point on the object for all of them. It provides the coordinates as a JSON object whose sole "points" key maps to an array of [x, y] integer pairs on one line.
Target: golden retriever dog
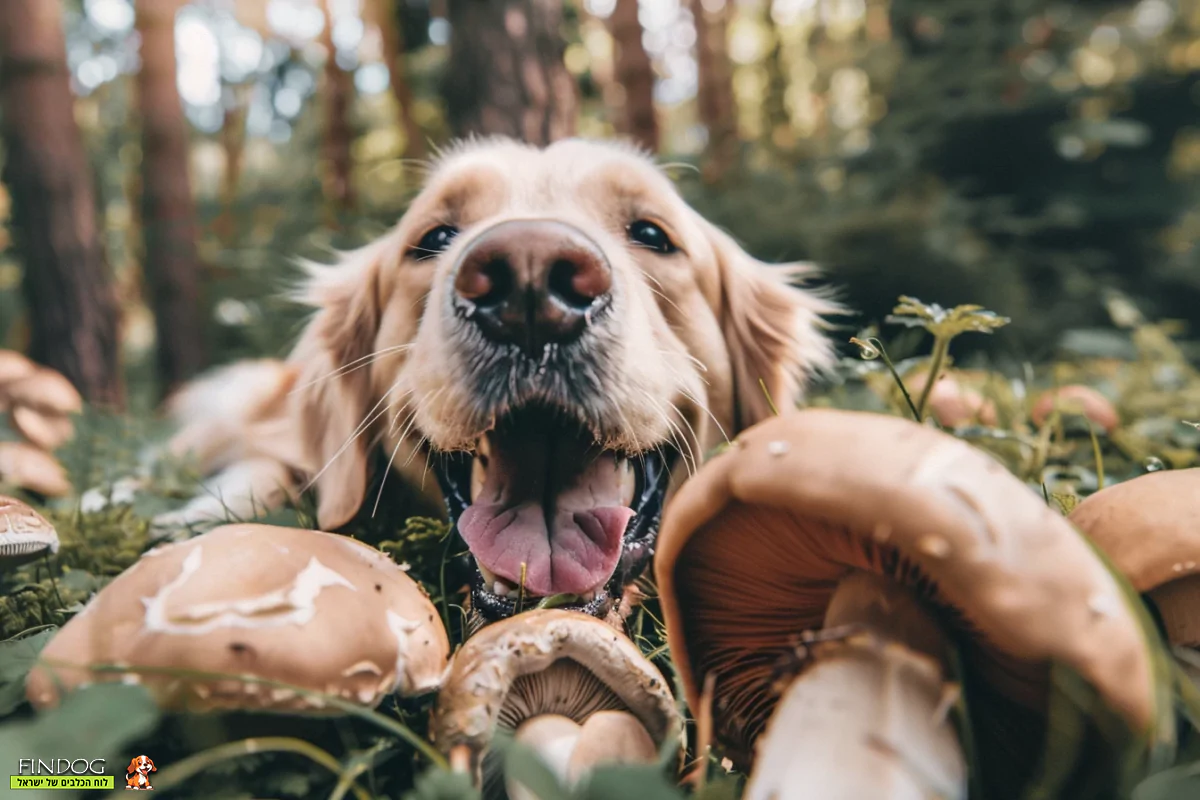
{"points": [[553, 335]]}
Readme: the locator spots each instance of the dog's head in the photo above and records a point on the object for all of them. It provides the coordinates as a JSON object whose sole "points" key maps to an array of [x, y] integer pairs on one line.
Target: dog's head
{"points": [[557, 335], [142, 765]]}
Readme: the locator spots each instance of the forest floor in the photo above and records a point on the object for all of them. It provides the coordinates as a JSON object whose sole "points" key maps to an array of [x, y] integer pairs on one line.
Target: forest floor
{"points": [[1137, 364]]}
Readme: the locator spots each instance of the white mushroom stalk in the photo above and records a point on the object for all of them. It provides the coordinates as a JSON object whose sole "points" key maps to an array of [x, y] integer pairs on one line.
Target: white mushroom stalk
{"points": [[868, 714], [564, 683]]}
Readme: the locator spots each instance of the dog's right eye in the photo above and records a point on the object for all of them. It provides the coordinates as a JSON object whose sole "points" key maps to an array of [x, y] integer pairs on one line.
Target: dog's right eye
{"points": [[433, 242]]}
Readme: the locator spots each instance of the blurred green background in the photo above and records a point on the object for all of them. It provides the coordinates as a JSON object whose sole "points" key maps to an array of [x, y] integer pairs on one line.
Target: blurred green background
{"points": [[1026, 155]]}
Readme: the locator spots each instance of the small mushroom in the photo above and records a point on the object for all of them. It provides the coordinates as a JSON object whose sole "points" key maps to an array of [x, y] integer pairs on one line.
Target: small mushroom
{"points": [[572, 687], [1149, 527], [47, 431], [873, 697], [754, 545], [952, 404], [1076, 399], [14, 366], [46, 391], [24, 533], [318, 611], [30, 468]]}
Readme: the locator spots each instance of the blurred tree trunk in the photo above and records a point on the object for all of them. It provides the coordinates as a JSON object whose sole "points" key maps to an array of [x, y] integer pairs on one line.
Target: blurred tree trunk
{"points": [[68, 288], [387, 17], [233, 143], [170, 262], [635, 74], [339, 93], [508, 75], [714, 100]]}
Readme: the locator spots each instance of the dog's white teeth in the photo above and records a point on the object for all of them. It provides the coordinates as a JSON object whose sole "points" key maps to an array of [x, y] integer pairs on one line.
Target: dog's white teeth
{"points": [[478, 478], [499, 589], [489, 577], [628, 480]]}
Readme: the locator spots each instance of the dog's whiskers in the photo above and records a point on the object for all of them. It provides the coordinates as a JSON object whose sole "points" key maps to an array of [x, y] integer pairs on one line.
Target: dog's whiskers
{"points": [[369, 418], [353, 366]]}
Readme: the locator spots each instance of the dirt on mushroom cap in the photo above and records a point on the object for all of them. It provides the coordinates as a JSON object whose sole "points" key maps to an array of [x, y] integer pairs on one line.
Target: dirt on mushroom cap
{"points": [[316, 610], [741, 571]]}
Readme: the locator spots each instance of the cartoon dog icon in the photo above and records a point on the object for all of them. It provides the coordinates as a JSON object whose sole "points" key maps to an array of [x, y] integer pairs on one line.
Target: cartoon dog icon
{"points": [[137, 774]]}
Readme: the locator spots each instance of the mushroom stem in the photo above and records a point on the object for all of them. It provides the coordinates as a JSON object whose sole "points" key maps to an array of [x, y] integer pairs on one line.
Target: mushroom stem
{"points": [[868, 715]]}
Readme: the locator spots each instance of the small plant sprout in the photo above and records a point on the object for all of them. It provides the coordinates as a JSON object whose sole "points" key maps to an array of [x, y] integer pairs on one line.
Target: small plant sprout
{"points": [[870, 348], [944, 325]]}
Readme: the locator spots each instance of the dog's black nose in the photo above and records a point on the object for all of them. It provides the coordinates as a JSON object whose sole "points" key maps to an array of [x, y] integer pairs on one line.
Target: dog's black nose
{"points": [[533, 282]]}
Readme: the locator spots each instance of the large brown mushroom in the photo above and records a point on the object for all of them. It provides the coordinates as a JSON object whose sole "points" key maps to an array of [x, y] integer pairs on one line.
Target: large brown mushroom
{"points": [[568, 685], [1149, 527], [754, 547], [41, 402], [24, 533], [27, 467], [13, 366], [317, 611]]}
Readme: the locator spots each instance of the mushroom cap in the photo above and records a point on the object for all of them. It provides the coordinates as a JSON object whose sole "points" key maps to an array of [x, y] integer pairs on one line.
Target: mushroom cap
{"points": [[28, 467], [1149, 526], [953, 404], [14, 366], [47, 431], [753, 545], [45, 390], [24, 533], [1078, 399], [605, 669], [319, 611]]}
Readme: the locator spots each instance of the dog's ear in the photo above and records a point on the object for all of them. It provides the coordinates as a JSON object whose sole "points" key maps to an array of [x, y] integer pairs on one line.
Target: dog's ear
{"points": [[333, 391], [150, 761], [132, 768], [773, 327]]}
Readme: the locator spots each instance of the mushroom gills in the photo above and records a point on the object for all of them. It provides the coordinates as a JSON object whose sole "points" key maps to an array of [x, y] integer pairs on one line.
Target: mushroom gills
{"points": [[565, 691], [868, 714]]}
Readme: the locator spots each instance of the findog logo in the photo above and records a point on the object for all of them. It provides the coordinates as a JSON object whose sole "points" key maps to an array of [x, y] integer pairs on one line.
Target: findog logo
{"points": [[137, 774]]}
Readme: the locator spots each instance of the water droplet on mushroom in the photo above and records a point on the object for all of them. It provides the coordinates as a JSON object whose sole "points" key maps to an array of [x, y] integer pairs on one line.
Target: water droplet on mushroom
{"points": [[1177, 567], [1102, 605], [1153, 464], [1189, 565], [883, 532], [934, 546], [778, 448]]}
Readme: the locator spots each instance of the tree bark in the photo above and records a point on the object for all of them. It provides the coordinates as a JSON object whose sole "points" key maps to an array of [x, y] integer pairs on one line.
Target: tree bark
{"points": [[714, 100], [68, 288], [170, 262], [339, 93], [507, 75], [635, 74], [388, 19]]}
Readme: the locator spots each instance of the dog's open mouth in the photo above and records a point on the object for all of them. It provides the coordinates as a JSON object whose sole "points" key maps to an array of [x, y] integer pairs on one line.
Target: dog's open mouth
{"points": [[551, 517]]}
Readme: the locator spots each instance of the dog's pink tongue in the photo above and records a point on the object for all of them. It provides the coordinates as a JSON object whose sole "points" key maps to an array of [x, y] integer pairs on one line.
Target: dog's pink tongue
{"points": [[553, 506]]}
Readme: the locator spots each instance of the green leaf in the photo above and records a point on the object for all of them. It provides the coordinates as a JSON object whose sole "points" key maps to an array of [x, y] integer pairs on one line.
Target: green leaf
{"points": [[95, 722], [523, 765], [440, 784], [17, 657], [621, 782]]}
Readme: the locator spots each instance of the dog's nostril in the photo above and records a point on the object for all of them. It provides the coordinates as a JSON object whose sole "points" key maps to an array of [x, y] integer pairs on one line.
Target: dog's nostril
{"points": [[578, 283], [485, 282]]}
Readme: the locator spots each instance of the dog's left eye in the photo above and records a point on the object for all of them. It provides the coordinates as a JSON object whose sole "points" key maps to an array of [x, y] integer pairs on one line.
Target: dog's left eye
{"points": [[647, 234], [434, 241]]}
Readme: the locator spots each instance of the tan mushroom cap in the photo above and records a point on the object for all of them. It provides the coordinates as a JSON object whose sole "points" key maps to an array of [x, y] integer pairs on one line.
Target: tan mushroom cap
{"points": [[47, 431], [14, 366], [1076, 399], [24, 533], [1149, 527], [753, 545], [319, 611], [953, 404], [31, 468], [490, 683], [45, 390]]}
